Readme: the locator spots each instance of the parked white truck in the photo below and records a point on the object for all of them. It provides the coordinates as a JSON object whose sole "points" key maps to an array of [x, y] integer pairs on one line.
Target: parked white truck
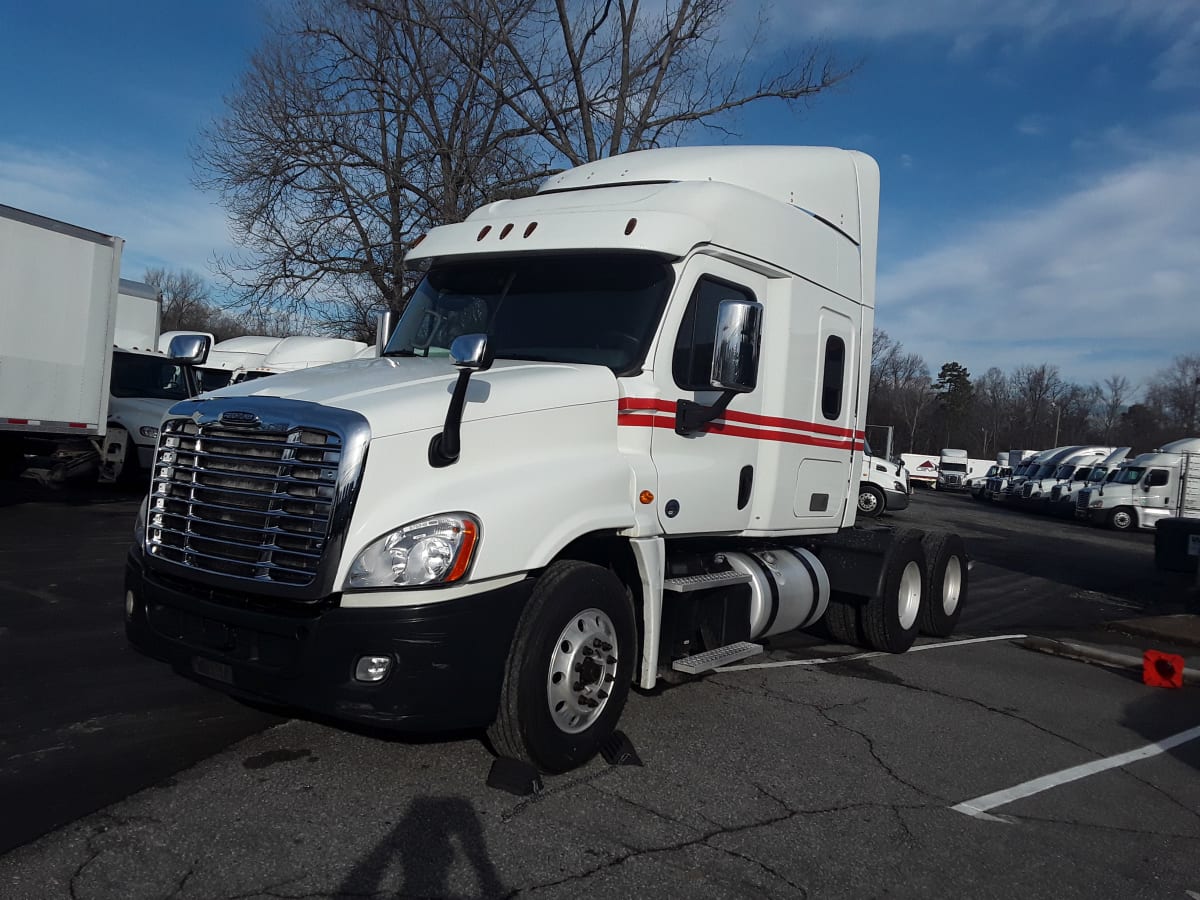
{"points": [[1149, 487], [68, 393], [291, 354], [884, 486], [952, 470], [617, 430]]}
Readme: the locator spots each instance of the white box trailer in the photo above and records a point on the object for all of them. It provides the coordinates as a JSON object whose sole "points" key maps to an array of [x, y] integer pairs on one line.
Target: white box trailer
{"points": [[58, 309], [139, 316]]}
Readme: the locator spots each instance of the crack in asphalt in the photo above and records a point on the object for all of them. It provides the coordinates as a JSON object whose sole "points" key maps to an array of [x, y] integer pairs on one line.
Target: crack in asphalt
{"points": [[824, 713], [108, 822], [1100, 826]]}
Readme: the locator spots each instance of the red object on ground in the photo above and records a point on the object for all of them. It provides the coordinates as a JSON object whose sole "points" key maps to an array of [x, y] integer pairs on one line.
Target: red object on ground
{"points": [[1162, 669]]}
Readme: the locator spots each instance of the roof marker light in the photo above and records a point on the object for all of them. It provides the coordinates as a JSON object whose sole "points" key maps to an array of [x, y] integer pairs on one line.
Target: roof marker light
{"points": [[505, 230], [630, 225], [529, 228], [483, 232]]}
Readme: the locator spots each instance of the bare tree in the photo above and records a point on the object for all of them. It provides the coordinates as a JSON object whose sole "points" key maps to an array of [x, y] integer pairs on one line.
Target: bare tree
{"points": [[354, 131], [600, 77], [362, 123], [1174, 393], [1113, 398]]}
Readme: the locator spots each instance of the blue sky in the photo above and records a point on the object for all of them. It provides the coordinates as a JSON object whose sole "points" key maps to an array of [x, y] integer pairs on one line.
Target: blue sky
{"points": [[1040, 158]]}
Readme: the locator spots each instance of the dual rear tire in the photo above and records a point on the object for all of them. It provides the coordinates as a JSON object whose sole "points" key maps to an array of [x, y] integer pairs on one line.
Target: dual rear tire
{"points": [[923, 589]]}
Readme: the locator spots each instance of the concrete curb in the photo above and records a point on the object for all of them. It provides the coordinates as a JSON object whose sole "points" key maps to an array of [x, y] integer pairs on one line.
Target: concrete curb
{"points": [[1096, 655], [1182, 629]]}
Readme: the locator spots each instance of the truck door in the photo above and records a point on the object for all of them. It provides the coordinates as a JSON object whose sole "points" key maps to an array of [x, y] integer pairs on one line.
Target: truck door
{"points": [[705, 479]]}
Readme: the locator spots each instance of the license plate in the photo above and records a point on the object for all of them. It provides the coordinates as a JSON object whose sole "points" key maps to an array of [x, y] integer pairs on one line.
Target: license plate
{"points": [[211, 669]]}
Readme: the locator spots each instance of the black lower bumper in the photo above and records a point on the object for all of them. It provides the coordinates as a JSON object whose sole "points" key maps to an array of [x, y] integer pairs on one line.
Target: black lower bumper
{"points": [[447, 657]]}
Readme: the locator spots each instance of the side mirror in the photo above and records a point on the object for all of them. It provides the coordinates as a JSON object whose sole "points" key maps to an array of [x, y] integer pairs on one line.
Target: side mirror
{"points": [[189, 349], [735, 346], [470, 352]]}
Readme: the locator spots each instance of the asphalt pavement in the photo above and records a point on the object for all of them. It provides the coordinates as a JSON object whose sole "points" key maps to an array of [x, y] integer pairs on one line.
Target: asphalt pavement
{"points": [[814, 776]]}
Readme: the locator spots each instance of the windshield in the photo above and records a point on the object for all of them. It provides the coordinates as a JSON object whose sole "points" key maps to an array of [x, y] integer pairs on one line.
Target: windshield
{"points": [[992, 470], [155, 377], [1064, 471], [598, 308], [211, 379], [1130, 475], [1098, 474], [1112, 475], [1082, 473], [954, 467]]}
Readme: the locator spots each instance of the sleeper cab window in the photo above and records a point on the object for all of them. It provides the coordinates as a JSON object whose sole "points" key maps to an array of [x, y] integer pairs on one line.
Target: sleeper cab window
{"points": [[833, 377], [691, 365]]}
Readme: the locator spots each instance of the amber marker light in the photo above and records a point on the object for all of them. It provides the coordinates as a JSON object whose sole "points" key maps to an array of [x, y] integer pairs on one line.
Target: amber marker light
{"points": [[470, 534], [646, 497]]}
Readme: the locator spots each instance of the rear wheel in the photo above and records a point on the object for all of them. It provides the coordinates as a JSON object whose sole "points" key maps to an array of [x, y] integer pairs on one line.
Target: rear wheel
{"points": [[889, 619], [945, 583], [842, 620], [569, 668], [870, 500], [1122, 519]]}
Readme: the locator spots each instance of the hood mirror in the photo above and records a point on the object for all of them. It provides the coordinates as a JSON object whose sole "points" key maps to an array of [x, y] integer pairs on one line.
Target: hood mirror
{"points": [[469, 353]]}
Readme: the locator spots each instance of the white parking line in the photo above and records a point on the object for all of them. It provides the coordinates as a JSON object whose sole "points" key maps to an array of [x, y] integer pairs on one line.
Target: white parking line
{"points": [[980, 805], [853, 656]]}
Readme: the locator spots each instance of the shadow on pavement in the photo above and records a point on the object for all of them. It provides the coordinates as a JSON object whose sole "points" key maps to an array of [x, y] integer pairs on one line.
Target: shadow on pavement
{"points": [[423, 844], [1164, 712]]}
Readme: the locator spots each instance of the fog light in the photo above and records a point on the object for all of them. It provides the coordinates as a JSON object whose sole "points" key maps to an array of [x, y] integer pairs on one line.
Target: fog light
{"points": [[129, 604], [372, 668]]}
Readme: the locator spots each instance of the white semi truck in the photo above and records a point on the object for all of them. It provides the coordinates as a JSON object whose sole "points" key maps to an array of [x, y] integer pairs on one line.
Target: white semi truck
{"points": [[1151, 486], [884, 486], [952, 470], [617, 432], [291, 354], [81, 386]]}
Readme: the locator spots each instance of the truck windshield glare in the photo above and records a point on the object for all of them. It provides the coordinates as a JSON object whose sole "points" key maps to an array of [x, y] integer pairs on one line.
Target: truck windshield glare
{"points": [[134, 375], [1130, 475], [595, 308]]}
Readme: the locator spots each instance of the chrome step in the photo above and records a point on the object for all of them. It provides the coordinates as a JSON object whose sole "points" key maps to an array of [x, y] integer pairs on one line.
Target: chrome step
{"points": [[713, 659], [685, 583]]}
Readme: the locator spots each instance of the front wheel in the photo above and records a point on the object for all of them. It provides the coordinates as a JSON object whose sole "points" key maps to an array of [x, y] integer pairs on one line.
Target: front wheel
{"points": [[1121, 519], [870, 500], [569, 669]]}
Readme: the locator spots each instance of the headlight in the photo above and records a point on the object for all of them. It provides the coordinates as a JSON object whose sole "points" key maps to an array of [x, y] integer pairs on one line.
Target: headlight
{"points": [[139, 524], [148, 431], [1097, 504], [436, 550]]}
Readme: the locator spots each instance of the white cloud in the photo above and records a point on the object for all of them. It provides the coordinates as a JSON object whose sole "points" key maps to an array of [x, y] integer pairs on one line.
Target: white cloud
{"points": [[1100, 280], [1033, 125], [163, 219]]}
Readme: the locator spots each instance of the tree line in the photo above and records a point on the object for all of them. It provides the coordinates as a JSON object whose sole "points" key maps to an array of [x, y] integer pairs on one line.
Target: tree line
{"points": [[1029, 407]]}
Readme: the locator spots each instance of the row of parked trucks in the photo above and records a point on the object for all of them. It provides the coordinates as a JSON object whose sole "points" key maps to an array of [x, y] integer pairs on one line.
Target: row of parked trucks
{"points": [[1103, 485]]}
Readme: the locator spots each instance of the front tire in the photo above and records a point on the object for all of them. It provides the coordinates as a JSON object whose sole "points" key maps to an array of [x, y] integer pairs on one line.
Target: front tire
{"points": [[1122, 519], [945, 583], [871, 502], [569, 668]]}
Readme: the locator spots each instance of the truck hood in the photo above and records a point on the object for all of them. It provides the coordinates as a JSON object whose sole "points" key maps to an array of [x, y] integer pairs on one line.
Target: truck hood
{"points": [[404, 394]]}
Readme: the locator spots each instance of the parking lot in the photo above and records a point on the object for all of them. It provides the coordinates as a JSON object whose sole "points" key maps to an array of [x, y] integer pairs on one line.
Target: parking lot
{"points": [[811, 771]]}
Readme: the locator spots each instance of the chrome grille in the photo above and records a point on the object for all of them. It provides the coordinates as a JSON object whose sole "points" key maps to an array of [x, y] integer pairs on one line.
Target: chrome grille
{"points": [[1083, 499], [244, 502], [1056, 493], [1027, 490]]}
